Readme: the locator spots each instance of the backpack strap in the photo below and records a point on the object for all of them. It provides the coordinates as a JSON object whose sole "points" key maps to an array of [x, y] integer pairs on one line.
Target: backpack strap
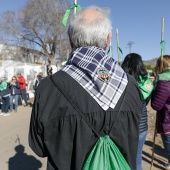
{"points": [[79, 111], [118, 111], [81, 114]]}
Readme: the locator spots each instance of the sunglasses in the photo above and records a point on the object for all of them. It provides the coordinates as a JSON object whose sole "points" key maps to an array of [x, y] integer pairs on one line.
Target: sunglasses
{"points": [[13, 79]]}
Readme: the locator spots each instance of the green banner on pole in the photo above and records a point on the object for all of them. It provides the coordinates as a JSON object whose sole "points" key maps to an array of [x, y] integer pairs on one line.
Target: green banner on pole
{"points": [[120, 50], [67, 13], [162, 43], [110, 47]]}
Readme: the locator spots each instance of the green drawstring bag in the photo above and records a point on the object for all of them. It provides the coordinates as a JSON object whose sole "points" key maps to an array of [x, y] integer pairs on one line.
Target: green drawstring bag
{"points": [[146, 86], [105, 156]]}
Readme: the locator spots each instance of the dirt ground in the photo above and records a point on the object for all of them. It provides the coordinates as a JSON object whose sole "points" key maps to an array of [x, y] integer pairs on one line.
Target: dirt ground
{"points": [[159, 152]]}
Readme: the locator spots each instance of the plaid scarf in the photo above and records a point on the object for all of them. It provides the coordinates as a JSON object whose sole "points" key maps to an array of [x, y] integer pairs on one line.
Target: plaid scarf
{"points": [[98, 74]]}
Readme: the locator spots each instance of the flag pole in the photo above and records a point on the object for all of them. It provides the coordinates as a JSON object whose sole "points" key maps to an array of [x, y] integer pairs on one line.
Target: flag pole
{"points": [[155, 132], [75, 9], [162, 36], [117, 40], [153, 146], [162, 43]]}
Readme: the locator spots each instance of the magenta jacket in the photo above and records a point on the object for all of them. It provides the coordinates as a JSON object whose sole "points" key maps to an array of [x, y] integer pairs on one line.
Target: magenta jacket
{"points": [[160, 101]]}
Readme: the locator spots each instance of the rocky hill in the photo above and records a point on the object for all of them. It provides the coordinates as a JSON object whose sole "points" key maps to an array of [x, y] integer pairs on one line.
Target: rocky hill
{"points": [[151, 62]]}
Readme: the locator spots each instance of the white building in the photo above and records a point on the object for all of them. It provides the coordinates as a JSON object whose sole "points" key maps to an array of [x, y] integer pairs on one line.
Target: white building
{"points": [[15, 59]]}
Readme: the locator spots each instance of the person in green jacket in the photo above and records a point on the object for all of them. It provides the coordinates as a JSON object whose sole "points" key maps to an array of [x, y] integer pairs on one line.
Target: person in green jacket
{"points": [[4, 93]]}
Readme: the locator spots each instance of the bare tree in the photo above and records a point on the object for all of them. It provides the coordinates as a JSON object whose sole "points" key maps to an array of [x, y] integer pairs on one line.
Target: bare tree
{"points": [[38, 25]]}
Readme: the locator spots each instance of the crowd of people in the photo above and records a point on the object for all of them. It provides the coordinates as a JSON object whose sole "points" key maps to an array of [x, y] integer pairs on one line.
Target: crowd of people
{"points": [[79, 103], [14, 91], [90, 97]]}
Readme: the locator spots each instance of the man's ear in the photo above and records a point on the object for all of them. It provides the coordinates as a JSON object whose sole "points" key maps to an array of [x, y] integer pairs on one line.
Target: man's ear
{"points": [[108, 40]]}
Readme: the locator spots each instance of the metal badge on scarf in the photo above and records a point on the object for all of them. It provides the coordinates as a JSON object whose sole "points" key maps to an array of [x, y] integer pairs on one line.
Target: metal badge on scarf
{"points": [[103, 74]]}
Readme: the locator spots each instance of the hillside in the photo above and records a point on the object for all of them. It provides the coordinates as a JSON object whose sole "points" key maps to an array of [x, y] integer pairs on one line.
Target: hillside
{"points": [[151, 62]]}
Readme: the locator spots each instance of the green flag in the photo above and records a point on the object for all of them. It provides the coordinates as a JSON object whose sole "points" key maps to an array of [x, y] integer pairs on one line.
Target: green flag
{"points": [[110, 47], [162, 43], [120, 50], [67, 13]]}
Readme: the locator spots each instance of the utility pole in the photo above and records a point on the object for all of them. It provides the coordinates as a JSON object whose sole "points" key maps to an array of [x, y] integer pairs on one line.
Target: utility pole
{"points": [[130, 43]]}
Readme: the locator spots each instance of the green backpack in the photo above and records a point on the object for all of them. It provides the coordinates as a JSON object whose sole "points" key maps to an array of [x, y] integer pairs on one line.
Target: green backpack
{"points": [[146, 86], [104, 155]]}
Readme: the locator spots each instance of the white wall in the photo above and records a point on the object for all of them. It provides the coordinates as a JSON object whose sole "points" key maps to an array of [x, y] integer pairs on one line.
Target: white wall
{"points": [[29, 71]]}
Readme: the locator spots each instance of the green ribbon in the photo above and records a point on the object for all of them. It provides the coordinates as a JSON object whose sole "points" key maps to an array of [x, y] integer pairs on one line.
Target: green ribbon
{"points": [[120, 50], [67, 13], [110, 47], [162, 43]]}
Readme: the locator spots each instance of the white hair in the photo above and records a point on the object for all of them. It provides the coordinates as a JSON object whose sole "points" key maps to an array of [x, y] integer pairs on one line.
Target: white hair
{"points": [[90, 31]]}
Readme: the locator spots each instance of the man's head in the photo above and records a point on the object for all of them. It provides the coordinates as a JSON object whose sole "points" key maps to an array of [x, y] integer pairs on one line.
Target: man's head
{"points": [[90, 27]]}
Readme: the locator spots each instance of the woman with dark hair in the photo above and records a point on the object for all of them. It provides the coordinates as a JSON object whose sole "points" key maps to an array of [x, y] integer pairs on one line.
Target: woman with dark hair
{"points": [[160, 101], [133, 65]]}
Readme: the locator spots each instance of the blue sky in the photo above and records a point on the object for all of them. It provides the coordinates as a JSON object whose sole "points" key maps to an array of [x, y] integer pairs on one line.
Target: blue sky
{"points": [[138, 21]]}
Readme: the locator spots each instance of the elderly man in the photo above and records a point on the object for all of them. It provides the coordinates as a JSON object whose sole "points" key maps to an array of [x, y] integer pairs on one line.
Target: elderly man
{"points": [[91, 89]]}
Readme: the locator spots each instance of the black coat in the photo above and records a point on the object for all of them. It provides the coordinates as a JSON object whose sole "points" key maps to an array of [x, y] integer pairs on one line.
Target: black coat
{"points": [[58, 132]]}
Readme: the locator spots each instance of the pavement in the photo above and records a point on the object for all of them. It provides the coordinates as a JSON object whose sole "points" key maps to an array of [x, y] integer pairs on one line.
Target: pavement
{"points": [[15, 153]]}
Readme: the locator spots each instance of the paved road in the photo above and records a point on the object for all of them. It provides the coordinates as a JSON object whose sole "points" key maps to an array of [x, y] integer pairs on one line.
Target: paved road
{"points": [[15, 153]]}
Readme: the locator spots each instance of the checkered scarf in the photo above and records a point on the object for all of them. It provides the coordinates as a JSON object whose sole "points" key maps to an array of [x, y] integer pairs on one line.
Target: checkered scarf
{"points": [[83, 64]]}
